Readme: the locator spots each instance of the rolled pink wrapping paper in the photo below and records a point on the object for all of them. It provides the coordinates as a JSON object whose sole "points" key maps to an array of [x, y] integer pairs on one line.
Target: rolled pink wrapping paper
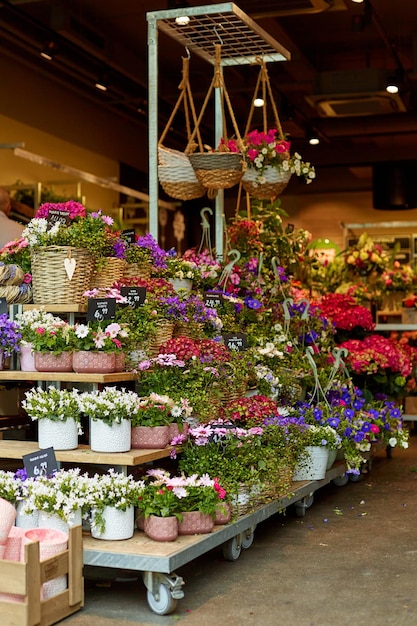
{"points": [[51, 543], [7, 518], [13, 551]]}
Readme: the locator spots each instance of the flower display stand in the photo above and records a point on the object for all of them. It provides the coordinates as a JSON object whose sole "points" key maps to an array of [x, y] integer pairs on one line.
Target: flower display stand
{"points": [[25, 579]]}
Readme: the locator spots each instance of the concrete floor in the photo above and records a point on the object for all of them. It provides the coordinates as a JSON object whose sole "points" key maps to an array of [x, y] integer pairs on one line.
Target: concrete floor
{"points": [[352, 559]]}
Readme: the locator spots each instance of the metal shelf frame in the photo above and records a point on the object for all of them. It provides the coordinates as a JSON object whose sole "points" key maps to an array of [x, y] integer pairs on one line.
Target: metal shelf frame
{"points": [[242, 41]]}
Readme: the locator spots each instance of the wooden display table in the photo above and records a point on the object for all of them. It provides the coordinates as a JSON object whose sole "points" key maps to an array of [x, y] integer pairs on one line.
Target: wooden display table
{"points": [[11, 449]]}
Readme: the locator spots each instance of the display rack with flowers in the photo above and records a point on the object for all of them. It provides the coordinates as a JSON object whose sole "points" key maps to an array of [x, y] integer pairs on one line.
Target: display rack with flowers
{"points": [[10, 337]]}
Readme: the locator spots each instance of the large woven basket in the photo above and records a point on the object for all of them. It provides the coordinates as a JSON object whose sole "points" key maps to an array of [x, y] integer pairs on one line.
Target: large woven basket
{"points": [[217, 170], [164, 332], [137, 270], [111, 273], [176, 175], [267, 185], [192, 330], [50, 281]]}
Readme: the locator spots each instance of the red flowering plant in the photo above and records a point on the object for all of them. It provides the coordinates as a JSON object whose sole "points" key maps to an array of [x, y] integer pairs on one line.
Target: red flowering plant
{"points": [[410, 302], [376, 363], [351, 320], [253, 410]]}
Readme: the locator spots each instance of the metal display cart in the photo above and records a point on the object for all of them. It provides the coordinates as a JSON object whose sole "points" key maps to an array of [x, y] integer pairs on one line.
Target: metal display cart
{"points": [[158, 561], [198, 29]]}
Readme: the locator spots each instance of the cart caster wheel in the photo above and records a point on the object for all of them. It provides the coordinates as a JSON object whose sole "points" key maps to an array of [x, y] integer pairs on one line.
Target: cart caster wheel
{"points": [[341, 481], [162, 603], [247, 537], [302, 505], [232, 549], [355, 478]]}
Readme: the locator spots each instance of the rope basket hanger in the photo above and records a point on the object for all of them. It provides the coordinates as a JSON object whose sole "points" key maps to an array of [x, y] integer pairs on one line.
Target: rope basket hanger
{"points": [[222, 169], [271, 182], [175, 172]]}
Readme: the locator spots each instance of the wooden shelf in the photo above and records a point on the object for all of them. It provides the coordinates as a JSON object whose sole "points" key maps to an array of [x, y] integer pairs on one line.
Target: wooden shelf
{"points": [[67, 377], [56, 308], [11, 449]]}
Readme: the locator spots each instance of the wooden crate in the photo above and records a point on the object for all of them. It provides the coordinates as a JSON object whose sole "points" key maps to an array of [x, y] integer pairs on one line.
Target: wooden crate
{"points": [[26, 578]]}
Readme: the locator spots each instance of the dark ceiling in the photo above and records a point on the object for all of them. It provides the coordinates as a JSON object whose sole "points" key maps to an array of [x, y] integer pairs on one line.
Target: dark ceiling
{"points": [[342, 52]]}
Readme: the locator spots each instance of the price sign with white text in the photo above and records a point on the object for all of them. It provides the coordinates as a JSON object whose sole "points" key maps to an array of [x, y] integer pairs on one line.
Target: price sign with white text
{"points": [[236, 342], [40, 463], [99, 309], [135, 295]]}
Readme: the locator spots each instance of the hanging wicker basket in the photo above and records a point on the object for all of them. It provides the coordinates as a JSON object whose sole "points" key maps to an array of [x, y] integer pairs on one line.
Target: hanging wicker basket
{"points": [[176, 175], [217, 170], [269, 184], [111, 273], [50, 279]]}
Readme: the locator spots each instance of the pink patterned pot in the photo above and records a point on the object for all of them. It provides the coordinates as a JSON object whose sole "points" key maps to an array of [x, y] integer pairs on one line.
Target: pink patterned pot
{"points": [[7, 517], [149, 437], [90, 362], [176, 429], [120, 362], [50, 362], [161, 528], [223, 514], [195, 523]]}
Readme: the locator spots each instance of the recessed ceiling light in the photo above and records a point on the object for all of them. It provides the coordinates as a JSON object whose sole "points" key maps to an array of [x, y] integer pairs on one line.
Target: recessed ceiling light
{"points": [[182, 20], [258, 102]]}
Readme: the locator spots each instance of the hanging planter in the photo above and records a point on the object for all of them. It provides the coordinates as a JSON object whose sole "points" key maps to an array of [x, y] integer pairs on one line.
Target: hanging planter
{"points": [[269, 184]]}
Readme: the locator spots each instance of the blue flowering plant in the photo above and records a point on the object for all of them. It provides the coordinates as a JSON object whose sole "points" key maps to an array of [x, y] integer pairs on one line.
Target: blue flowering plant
{"points": [[190, 309], [10, 336]]}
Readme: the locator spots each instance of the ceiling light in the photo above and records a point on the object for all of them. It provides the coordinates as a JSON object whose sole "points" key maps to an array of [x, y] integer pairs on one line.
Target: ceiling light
{"points": [[358, 1], [182, 20], [49, 51], [102, 82], [258, 102], [312, 136], [393, 83]]}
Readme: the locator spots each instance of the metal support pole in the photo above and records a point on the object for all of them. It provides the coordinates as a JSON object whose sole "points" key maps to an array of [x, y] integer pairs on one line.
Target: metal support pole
{"points": [[153, 125]]}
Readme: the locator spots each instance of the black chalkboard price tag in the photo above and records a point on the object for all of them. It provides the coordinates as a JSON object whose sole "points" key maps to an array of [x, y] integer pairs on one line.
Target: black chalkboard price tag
{"points": [[40, 463], [236, 342], [129, 235], [54, 216], [135, 295], [213, 300], [99, 309], [3, 307]]}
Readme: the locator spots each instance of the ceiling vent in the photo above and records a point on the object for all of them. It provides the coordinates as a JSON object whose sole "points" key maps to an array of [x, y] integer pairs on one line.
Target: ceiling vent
{"points": [[353, 94]]}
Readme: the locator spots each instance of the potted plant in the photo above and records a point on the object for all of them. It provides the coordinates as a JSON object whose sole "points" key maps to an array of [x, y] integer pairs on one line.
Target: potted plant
{"points": [[52, 345], [201, 500], [113, 499], [269, 162], [158, 420], [57, 412], [180, 273], [159, 505], [10, 337], [62, 499], [317, 441], [97, 346], [29, 322], [110, 412]]}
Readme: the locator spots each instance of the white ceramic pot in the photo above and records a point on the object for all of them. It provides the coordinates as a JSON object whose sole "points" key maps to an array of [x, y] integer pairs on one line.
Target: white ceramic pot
{"points": [[118, 524], [54, 522], [61, 435], [26, 520], [110, 438], [313, 464]]}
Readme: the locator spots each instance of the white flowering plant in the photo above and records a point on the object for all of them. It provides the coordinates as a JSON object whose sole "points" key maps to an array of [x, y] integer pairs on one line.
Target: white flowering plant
{"points": [[10, 488], [111, 405], [179, 268], [31, 320], [57, 405], [115, 490], [64, 494]]}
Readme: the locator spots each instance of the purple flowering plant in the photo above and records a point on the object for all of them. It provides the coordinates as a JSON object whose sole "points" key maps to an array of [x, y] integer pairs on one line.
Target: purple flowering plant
{"points": [[10, 336]]}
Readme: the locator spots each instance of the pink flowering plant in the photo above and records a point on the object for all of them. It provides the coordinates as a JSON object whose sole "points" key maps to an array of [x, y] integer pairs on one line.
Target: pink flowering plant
{"points": [[17, 253], [398, 279], [161, 410], [106, 336], [51, 334], [265, 149]]}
